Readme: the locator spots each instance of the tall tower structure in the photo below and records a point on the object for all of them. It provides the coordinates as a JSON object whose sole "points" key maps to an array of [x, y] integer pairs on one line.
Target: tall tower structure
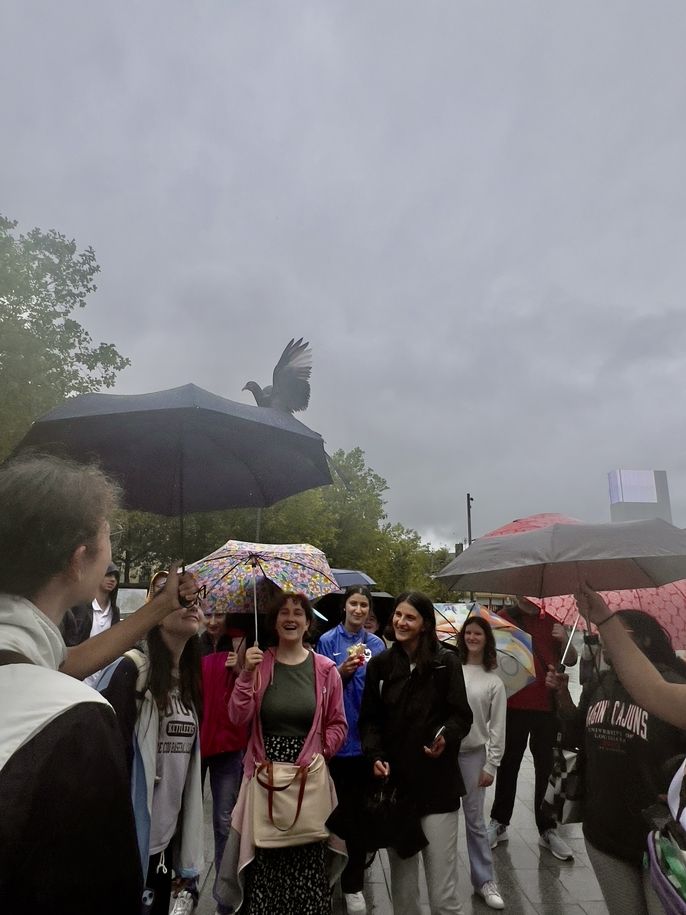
{"points": [[639, 495]]}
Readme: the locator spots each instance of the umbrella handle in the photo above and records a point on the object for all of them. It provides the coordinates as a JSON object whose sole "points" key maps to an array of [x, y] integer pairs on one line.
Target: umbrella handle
{"points": [[254, 596], [561, 666]]}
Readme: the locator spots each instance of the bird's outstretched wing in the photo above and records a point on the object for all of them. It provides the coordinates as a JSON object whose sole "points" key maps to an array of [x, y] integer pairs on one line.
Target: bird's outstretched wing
{"points": [[291, 380]]}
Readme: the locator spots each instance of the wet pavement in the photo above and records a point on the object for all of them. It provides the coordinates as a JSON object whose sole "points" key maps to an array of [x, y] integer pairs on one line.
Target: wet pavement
{"points": [[531, 880]]}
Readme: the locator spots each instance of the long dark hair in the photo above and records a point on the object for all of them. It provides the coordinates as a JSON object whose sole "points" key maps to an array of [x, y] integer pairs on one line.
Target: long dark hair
{"points": [[653, 639], [490, 659], [428, 640], [161, 663]]}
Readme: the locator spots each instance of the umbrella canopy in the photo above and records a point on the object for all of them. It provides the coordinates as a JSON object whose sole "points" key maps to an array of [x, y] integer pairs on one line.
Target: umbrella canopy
{"points": [[346, 578], [667, 604], [559, 558], [531, 523], [185, 449], [238, 572], [516, 666]]}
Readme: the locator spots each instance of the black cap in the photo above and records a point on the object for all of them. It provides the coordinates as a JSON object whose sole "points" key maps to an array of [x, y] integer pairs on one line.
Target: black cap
{"points": [[112, 570]]}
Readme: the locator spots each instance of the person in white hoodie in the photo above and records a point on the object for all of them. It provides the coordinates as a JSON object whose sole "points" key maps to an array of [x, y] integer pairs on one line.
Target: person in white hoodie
{"points": [[67, 834], [482, 749]]}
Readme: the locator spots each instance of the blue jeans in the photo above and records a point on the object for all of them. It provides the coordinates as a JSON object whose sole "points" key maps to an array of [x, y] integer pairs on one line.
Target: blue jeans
{"points": [[480, 857], [226, 772]]}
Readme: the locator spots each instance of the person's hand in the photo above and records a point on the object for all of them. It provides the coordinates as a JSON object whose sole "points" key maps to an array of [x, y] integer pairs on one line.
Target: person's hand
{"points": [[436, 748], [554, 680], [381, 769], [348, 667], [231, 659], [591, 605], [253, 658], [180, 590], [559, 633], [184, 883], [485, 779]]}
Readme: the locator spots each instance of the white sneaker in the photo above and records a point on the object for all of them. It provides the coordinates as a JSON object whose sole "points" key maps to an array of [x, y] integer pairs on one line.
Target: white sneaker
{"points": [[491, 896], [183, 903], [550, 840], [496, 833], [354, 902]]}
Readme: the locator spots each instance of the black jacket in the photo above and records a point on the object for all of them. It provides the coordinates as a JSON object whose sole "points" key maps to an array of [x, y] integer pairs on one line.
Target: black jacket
{"points": [[67, 833], [401, 712], [77, 622]]}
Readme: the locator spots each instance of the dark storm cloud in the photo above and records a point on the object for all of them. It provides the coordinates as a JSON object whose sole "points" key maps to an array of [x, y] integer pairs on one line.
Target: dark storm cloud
{"points": [[474, 211]]}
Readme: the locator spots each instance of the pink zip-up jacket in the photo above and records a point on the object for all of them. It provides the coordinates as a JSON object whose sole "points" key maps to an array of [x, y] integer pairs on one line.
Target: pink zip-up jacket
{"points": [[329, 717]]}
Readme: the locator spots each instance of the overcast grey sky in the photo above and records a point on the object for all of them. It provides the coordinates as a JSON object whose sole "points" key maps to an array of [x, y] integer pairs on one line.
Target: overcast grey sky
{"points": [[474, 211]]}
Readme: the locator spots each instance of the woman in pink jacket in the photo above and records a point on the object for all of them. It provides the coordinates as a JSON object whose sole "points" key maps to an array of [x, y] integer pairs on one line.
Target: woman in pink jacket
{"points": [[292, 699]]}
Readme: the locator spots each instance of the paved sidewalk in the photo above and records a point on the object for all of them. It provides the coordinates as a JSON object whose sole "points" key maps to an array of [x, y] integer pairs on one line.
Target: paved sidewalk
{"points": [[531, 880]]}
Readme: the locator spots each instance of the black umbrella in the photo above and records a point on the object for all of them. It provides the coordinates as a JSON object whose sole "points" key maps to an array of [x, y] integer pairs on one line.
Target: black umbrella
{"points": [[346, 578], [185, 449]]}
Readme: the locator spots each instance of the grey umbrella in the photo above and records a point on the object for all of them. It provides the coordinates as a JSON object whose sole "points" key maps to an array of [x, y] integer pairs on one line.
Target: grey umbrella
{"points": [[558, 559]]}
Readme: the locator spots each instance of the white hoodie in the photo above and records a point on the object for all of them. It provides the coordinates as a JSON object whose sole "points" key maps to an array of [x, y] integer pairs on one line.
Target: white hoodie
{"points": [[24, 628], [39, 692]]}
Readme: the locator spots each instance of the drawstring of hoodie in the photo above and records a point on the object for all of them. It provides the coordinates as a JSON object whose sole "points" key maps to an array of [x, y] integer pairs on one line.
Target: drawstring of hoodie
{"points": [[161, 866]]}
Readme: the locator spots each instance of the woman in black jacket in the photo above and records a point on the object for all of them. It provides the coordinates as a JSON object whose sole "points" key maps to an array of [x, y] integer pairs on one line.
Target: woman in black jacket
{"points": [[414, 715]]}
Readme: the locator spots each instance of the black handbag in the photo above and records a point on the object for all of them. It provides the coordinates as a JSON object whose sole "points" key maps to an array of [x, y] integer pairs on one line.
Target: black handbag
{"points": [[385, 819]]}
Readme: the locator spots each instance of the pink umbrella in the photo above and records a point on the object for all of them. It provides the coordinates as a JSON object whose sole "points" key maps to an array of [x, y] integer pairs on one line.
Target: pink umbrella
{"points": [[531, 523], [666, 603]]}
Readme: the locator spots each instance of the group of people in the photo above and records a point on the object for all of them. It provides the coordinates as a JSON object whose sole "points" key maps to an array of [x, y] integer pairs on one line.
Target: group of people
{"points": [[102, 789]]}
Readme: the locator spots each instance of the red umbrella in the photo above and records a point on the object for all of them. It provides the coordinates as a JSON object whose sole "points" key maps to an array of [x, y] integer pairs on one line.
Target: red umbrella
{"points": [[531, 523], [666, 603]]}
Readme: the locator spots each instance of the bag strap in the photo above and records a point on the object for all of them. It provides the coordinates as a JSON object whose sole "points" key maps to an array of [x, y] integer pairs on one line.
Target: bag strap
{"points": [[142, 662], [270, 787], [12, 657]]}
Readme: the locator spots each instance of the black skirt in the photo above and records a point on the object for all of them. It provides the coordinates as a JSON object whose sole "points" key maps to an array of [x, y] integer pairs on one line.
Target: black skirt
{"points": [[292, 880]]}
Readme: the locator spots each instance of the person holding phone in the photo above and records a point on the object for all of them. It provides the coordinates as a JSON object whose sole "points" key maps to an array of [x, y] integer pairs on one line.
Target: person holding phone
{"points": [[413, 717]]}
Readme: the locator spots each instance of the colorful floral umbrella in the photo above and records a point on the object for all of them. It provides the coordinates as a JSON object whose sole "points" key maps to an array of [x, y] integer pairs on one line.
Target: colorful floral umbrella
{"points": [[240, 576], [516, 667], [667, 604]]}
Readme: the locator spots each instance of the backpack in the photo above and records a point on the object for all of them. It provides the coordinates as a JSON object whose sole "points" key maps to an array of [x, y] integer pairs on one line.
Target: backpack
{"points": [[142, 662]]}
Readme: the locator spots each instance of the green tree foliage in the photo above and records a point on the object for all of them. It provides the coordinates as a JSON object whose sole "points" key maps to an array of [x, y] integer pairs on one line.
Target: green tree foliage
{"points": [[45, 354], [346, 520]]}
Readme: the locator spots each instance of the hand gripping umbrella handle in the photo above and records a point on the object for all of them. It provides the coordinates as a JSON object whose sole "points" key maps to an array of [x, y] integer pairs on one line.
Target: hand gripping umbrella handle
{"points": [[562, 665]]}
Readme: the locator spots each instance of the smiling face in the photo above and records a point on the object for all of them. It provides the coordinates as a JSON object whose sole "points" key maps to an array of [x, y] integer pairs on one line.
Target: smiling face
{"points": [[182, 624], [475, 642], [408, 626], [356, 612], [291, 621]]}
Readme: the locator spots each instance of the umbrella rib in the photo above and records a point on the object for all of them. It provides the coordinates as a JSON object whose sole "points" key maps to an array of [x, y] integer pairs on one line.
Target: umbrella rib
{"points": [[225, 574], [304, 565], [448, 621]]}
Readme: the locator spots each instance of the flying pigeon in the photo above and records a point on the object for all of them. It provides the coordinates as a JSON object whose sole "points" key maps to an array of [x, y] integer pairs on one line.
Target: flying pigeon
{"points": [[290, 387]]}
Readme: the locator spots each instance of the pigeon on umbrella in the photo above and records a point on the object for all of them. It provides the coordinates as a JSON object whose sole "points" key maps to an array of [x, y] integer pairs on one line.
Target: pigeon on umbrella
{"points": [[290, 387]]}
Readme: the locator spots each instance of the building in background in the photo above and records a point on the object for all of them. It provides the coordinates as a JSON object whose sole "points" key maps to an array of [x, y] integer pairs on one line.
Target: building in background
{"points": [[639, 495]]}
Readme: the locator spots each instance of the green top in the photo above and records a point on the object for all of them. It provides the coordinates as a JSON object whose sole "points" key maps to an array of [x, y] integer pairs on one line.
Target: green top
{"points": [[288, 704]]}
